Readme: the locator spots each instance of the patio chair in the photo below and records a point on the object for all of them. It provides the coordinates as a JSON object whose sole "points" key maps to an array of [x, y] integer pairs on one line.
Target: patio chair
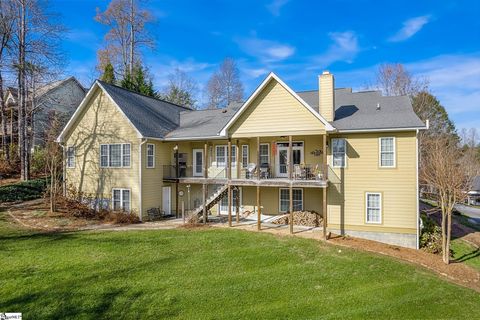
{"points": [[264, 171], [297, 172], [250, 170]]}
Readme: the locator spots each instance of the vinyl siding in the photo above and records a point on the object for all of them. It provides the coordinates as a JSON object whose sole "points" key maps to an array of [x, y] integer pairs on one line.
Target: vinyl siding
{"points": [[347, 188], [276, 112], [102, 123]]}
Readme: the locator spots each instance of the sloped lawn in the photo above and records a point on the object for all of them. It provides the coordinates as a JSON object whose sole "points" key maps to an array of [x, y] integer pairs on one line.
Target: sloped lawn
{"points": [[212, 274]]}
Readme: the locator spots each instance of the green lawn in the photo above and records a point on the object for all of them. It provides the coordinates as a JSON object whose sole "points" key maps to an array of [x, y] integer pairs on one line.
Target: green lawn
{"points": [[212, 274], [466, 253]]}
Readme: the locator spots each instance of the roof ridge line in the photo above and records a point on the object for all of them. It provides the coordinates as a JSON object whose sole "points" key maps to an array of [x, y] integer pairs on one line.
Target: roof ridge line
{"points": [[143, 95]]}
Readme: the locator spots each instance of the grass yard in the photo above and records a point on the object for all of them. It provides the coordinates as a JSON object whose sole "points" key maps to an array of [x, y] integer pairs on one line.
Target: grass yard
{"points": [[466, 253], [212, 273]]}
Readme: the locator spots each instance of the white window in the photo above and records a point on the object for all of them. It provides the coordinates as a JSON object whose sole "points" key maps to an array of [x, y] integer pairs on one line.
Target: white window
{"points": [[264, 153], [374, 207], [339, 148], [387, 152], [285, 200], [115, 155], [245, 156], [71, 157], [221, 156], [150, 155], [104, 155], [125, 155], [121, 199]]}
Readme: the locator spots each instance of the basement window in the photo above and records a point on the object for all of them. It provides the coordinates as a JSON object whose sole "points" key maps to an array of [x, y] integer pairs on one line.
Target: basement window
{"points": [[285, 199], [373, 207], [121, 199]]}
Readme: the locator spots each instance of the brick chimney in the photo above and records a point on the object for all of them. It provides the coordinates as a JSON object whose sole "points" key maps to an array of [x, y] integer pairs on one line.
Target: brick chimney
{"points": [[326, 95]]}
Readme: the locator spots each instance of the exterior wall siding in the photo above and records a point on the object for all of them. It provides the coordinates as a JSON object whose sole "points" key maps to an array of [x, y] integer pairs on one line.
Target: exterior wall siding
{"points": [[276, 112], [347, 188], [102, 123]]}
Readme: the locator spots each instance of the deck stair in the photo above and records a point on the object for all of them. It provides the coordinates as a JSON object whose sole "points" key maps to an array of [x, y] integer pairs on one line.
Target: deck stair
{"points": [[217, 195]]}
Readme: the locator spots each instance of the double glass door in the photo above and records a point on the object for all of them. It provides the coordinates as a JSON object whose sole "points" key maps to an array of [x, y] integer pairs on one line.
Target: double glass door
{"points": [[282, 157]]}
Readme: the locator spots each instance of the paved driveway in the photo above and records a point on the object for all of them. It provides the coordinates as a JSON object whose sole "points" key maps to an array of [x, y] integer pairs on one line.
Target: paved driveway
{"points": [[469, 211]]}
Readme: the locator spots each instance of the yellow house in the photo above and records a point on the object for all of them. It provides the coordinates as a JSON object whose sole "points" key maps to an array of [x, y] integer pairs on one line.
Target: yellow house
{"points": [[351, 156]]}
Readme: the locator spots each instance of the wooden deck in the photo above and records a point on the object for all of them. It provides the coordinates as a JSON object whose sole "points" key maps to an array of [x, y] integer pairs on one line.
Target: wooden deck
{"points": [[272, 182]]}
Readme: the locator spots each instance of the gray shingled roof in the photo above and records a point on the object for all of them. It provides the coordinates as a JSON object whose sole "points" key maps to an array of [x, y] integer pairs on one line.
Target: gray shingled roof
{"points": [[358, 110], [203, 123], [154, 118]]}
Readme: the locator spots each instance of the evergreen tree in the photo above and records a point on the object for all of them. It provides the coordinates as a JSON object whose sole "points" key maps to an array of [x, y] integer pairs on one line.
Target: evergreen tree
{"points": [[108, 74], [138, 82]]}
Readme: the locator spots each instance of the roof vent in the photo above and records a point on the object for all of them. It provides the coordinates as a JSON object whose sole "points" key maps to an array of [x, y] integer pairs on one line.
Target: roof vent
{"points": [[378, 106], [224, 111]]}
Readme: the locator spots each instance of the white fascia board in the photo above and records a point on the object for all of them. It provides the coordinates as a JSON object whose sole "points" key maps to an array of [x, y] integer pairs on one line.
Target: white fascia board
{"points": [[380, 130]]}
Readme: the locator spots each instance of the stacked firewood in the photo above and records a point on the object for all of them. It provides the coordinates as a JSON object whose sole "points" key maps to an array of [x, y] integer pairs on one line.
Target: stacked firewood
{"points": [[301, 218]]}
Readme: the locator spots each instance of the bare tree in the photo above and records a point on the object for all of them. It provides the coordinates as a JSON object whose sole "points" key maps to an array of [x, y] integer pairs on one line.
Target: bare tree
{"points": [[7, 25], [224, 86], [126, 35], [395, 80], [37, 43], [54, 156], [450, 172], [181, 89]]}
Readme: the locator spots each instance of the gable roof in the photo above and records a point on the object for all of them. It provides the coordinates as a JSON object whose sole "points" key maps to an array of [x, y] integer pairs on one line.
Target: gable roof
{"points": [[150, 117], [476, 184], [273, 76], [358, 110]]}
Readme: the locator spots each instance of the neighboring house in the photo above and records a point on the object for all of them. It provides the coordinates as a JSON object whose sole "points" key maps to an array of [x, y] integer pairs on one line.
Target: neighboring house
{"points": [[61, 97], [353, 155], [473, 197]]}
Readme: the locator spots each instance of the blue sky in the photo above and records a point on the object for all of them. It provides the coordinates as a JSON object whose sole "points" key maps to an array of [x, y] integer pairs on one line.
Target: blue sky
{"points": [[439, 40]]}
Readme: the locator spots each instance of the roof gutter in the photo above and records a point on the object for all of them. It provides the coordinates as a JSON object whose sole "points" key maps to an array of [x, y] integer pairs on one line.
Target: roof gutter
{"points": [[381, 130]]}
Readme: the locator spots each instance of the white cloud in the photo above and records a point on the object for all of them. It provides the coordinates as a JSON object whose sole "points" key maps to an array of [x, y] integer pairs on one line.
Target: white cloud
{"points": [[454, 79], [344, 48], [275, 6], [410, 28], [265, 50]]}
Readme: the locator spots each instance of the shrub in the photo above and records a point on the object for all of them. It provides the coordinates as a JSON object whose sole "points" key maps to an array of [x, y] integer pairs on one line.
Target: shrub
{"points": [[431, 237], [23, 191], [432, 241], [78, 209], [39, 161]]}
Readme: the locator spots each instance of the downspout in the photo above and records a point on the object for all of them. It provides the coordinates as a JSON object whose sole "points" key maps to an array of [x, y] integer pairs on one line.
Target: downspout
{"points": [[64, 171], [140, 165], [417, 190]]}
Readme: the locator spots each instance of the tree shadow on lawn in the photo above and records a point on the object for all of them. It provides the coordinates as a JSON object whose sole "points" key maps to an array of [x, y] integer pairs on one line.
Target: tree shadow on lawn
{"points": [[467, 256], [87, 297]]}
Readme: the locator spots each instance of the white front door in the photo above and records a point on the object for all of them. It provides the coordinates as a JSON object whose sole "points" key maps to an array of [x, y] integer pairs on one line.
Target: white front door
{"points": [[167, 200], [197, 162], [282, 157]]}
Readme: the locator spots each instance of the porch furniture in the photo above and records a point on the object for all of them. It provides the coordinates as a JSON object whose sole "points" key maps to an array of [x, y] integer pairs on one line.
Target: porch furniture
{"points": [[264, 171], [250, 173], [297, 172], [155, 214]]}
